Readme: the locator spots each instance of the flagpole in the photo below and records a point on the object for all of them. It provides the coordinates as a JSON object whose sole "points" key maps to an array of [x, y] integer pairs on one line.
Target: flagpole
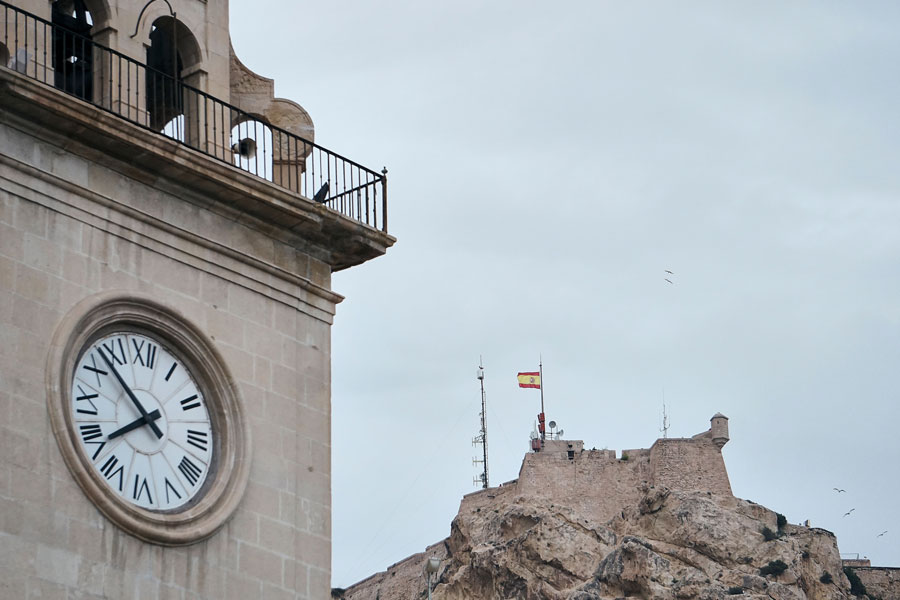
{"points": [[541, 374]]}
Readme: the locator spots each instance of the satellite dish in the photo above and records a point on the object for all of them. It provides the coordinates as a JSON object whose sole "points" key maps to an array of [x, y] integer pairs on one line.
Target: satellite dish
{"points": [[552, 424]]}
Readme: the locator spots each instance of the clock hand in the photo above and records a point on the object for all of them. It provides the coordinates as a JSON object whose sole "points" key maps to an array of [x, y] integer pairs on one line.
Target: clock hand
{"points": [[134, 424], [131, 395]]}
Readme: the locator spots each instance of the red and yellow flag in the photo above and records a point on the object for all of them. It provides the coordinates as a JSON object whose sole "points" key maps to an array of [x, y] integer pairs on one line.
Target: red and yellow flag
{"points": [[530, 380]]}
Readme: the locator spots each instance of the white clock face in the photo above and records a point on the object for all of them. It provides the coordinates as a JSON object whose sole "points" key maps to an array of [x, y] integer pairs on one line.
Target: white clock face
{"points": [[142, 421]]}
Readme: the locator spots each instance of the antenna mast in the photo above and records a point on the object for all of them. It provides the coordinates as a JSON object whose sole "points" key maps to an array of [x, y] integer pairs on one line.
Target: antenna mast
{"points": [[481, 438], [665, 422]]}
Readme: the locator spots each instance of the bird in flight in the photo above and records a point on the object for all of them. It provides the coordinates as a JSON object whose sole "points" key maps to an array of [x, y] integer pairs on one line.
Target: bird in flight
{"points": [[882, 533], [849, 511], [669, 272], [670, 281], [839, 491]]}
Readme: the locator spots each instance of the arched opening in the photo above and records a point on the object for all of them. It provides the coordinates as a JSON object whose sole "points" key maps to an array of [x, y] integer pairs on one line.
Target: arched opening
{"points": [[251, 143], [173, 50], [72, 50]]}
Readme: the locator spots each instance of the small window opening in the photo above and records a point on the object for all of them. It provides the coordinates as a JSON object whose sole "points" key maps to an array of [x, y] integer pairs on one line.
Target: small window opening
{"points": [[72, 49], [571, 454], [164, 83]]}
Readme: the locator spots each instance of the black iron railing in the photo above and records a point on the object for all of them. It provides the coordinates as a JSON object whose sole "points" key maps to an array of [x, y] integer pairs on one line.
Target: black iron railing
{"points": [[60, 57]]}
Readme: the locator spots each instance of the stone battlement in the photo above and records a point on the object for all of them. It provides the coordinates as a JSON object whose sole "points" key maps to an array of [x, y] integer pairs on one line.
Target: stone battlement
{"points": [[597, 483]]}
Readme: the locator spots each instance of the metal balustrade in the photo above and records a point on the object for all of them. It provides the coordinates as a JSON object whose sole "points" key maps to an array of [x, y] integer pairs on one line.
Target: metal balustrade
{"points": [[157, 101]]}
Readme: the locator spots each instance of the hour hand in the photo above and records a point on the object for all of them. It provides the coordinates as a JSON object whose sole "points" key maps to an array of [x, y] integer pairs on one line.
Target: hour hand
{"points": [[139, 422]]}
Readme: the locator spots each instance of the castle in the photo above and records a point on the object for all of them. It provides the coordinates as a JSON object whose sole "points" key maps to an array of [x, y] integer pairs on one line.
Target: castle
{"points": [[599, 484], [547, 526]]}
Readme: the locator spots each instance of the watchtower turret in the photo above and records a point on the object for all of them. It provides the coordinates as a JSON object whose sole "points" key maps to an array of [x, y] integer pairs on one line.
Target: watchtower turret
{"points": [[719, 429]]}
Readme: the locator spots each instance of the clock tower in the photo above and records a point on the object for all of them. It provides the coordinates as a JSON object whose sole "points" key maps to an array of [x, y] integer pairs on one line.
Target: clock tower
{"points": [[168, 231]]}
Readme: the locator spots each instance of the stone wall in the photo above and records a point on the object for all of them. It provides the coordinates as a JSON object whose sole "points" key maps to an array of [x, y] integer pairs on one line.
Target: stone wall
{"points": [[880, 582], [74, 224], [599, 484], [689, 464]]}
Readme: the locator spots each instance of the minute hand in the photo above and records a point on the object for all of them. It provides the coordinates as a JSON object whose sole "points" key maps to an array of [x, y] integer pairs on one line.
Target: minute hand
{"points": [[131, 395]]}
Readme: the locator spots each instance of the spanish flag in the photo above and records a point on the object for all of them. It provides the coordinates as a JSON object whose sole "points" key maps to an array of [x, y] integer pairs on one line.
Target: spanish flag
{"points": [[530, 380]]}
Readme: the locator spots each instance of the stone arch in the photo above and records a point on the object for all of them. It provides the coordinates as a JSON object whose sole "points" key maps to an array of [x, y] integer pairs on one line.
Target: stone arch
{"points": [[100, 11], [175, 58], [255, 95], [190, 54], [159, 13]]}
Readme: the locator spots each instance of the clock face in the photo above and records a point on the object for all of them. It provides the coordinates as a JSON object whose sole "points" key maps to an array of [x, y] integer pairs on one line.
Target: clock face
{"points": [[142, 420]]}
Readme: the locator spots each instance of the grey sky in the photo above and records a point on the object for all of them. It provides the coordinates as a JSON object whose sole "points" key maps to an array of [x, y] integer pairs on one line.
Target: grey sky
{"points": [[546, 165]]}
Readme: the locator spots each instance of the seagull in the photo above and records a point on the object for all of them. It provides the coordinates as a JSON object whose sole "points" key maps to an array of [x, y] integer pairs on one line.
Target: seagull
{"points": [[839, 491], [881, 534], [670, 281], [849, 511]]}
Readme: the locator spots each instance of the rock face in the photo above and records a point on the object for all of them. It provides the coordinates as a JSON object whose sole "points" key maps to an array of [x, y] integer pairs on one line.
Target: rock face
{"points": [[671, 544]]}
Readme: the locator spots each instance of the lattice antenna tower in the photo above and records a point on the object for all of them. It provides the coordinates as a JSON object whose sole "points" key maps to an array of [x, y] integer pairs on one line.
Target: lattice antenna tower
{"points": [[481, 438]]}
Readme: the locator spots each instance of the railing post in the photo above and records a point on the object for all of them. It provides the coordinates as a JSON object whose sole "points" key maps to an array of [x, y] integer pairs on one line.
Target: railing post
{"points": [[384, 173]]}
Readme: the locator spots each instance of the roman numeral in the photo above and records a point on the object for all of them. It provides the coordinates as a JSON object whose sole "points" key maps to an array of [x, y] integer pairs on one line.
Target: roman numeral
{"points": [[190, 402], [171, 370], [86, 397], [97, 372], [198, 439], [145, 353], [111, 350], [109, 470], [140, 489], [190, 471], [90, 433], [169, 486]]}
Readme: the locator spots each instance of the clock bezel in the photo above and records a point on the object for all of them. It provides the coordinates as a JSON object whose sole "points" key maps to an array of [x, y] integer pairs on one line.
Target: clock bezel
{"points": [[226, 481]]}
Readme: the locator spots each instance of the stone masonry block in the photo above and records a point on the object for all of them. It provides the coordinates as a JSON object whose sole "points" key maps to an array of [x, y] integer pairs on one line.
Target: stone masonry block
{"points": [[7, 273], [31, 218], [249, 305], [12, 242], [277, 536], [42, 254], [240, 586], [58, 566], [260, 564]]}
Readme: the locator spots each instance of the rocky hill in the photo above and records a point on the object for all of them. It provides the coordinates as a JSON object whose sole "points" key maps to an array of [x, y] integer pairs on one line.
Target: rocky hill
{"points": [[673, 544], [656, 523]]}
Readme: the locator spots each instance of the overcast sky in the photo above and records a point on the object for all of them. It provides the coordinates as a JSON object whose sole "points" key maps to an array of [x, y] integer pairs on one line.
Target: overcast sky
{"points": [[547, 164]]}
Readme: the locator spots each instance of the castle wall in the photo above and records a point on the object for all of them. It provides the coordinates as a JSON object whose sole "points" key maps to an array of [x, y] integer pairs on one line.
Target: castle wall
{"points": [[689, 464], [880, 582], [71, 227], [593, 481]]}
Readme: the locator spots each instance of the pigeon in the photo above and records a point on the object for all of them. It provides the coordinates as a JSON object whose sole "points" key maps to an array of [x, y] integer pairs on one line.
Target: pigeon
{"points": [[849, 511], [881, 534]]}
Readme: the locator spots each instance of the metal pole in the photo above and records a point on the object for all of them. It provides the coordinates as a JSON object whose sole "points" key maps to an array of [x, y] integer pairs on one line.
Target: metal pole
{"points": [[484, 441], [541, 375]]}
